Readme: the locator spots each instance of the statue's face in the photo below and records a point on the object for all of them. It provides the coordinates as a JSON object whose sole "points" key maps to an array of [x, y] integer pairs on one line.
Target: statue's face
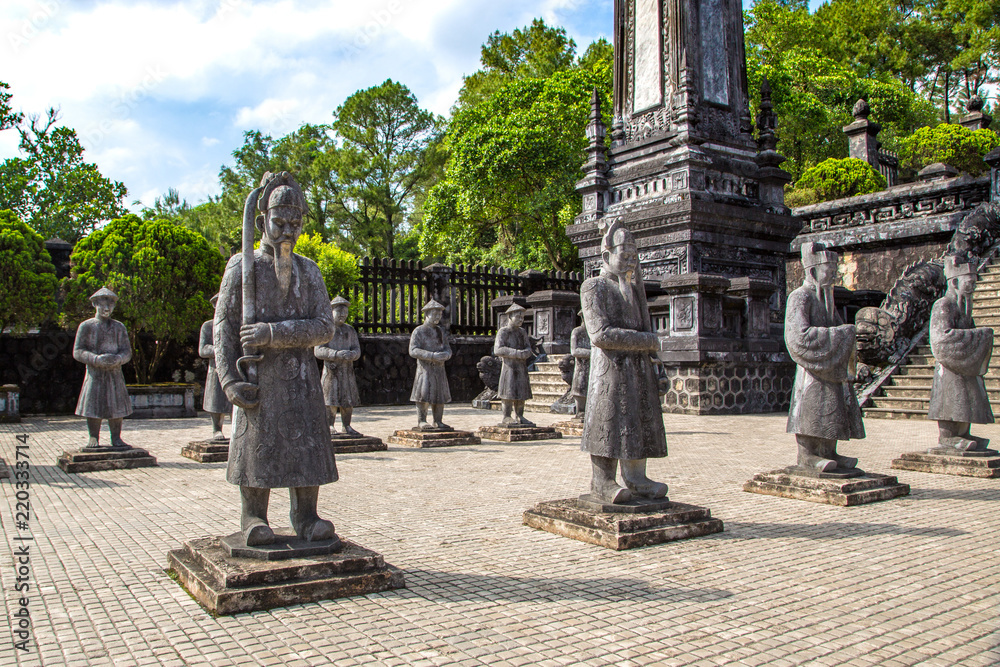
{"points": [[621, 258], [517, 319], [825, 274], [283, 225], [433, 317], [339, 314], [104, 308], [965, 284]]}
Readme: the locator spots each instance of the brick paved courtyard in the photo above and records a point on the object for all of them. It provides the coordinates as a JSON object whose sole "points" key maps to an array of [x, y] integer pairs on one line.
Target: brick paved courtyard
{"points": [[913, 581]]}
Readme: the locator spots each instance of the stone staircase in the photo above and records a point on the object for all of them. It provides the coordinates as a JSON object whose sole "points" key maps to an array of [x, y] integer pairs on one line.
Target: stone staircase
{"points": [[907, 394], [547, 385]]}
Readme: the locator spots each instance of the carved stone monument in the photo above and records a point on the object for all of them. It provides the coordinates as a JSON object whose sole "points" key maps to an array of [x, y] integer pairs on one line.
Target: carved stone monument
{"points": [[824, 408], [489, 372], [685, 174], [214, 402], [429, 346], [623, 425], [962, 354], [340, 389], [513, 348], [102, 344], [580, 353], [273, 309]]}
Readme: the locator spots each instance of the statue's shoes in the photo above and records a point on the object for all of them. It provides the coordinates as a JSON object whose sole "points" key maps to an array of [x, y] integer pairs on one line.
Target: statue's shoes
{"points": [[961, 443], [846, 462], [610, 492], [93, 443], [524, 422], [120, 443], [818, 463], [218, 437], [508, 421], [258, 535], [983, 443], [648, 489], [424, 426], [317, 530], [350, 431], [441, 426]]}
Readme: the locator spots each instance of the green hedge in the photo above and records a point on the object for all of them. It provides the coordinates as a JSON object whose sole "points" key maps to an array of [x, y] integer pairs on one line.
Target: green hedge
{"points": [[835, 179]]}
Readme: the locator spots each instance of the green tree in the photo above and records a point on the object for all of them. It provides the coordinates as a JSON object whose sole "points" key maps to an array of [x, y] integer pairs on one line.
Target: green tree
{"points": [[52, 188], [8, 117], [164, 275], [954, 145], [27, 277], [339, 267], [384, 157]]}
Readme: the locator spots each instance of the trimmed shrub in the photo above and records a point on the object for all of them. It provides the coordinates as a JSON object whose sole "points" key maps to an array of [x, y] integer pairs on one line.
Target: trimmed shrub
{"points": [[835, 179], [954, 145]]}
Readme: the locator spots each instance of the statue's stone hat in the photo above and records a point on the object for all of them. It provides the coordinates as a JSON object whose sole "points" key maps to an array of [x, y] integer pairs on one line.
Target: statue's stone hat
{"points": [[958, 266], [515, 308], [340, 301], [281, 190], [432, 305], [616, 228], [104, 293], [814, 254]]}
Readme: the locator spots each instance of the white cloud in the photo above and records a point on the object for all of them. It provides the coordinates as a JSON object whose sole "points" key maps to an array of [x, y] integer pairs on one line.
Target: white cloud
{"points": [[208, 142]]}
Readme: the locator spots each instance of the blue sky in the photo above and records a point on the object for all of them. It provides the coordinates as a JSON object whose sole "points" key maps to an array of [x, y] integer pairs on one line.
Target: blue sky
{"points": [[161, 92]]}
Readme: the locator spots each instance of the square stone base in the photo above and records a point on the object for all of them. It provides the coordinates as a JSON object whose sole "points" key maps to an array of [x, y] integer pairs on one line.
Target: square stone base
{"points": [[572, 428], [635, 524], [207, 451], [225, 584], [967, 464], [425, 439], [517, 433], [845, 492], [356, 444], [105, 458]]}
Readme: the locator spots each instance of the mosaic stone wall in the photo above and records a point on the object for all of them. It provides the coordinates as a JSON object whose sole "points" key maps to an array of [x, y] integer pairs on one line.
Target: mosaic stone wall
{"points": [[729, 389]]}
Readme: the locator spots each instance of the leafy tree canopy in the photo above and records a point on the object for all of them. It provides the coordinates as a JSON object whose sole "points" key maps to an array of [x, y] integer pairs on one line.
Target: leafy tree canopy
{"points": [[163, 273], [339, 267], [27, 277], [954, 145]]}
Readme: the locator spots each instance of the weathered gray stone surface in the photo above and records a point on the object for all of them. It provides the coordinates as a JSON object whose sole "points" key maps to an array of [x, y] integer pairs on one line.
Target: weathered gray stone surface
{"points": [[423, 439], [823, 408], [962, 354], [513, 348], [845, 492], [580, 349], [343, 443], [949, 461], [214, 402], [96, 459], [340, 388], [504, 433], [206, 451]]}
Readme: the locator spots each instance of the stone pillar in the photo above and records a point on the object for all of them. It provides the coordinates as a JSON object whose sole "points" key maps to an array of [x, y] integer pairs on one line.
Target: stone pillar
{"points": [[10, 399], [502, 303], [554, 316], [862, 135], [756, 294], [593, 187], [773, 178], [993, 159], [976, 119], [696, 322], [938, 171], [441, 290]]}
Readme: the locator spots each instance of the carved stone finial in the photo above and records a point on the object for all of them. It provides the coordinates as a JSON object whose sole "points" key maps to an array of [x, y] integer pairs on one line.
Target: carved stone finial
{"points": [[861, 109], [975, 104]]}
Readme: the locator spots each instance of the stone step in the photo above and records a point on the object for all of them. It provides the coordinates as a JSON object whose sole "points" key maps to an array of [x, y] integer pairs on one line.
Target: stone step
{"points": [[922, 391], [915, 369], [910, 380], [890, 413], [922, 349], [920, 360], [902, 403]]}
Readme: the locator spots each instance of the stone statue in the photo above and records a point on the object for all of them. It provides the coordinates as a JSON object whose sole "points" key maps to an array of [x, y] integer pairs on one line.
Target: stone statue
{"points": [[962, 352], [623, 421], [273, 309], [514, 349], [102, 344], [823, 406], [215, 401], [579, 347], [340, 389], [429, 346]]}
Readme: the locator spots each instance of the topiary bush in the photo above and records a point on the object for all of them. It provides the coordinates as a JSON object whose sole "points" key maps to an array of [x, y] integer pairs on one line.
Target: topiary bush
{"points": [[27, 276], [954, 145], [835, 179]]}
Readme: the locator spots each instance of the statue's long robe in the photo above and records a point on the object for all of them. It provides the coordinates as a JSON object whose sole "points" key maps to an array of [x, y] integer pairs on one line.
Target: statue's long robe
{"points": [[340, 388], [103, 394], [623, 418], [430, 385], [285, 441], [215, 399], [514, 383], [962, 353], [823, 403], [579, 347]]}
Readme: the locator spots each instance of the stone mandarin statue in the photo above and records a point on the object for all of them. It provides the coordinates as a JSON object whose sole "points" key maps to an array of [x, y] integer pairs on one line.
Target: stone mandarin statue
{"points": [[215, 402], [623, 421], [962, 352], [340, 388], [514, 349], [429, 346], [102, 344], [273, 309], [579, 347], [823, 406]]}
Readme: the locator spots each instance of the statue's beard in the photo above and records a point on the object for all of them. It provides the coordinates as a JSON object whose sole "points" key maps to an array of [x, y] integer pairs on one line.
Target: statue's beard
{"points": [[283, 265]]}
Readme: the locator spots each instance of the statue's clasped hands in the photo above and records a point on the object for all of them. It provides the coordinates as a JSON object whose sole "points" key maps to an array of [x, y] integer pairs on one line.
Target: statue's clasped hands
{"points": [[256, 335]]}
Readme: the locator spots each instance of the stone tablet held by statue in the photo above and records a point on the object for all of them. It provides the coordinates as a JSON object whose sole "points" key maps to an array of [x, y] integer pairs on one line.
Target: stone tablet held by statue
{"points": [[962, 354]]}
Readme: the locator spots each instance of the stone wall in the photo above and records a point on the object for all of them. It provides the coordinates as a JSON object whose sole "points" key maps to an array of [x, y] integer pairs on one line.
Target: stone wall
{"points": [[42, 365], [726, 389]]}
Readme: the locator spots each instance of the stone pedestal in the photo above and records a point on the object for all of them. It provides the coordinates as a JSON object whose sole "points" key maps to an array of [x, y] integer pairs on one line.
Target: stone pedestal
{"points": [[486, 399], [843, 489], [571, 427], [10, 399], [554, 315], [425, 439], [355, 444], [227, 578], [638, 523], [93, 459], [951, 462], [207, 451], [155, 401], [517, 433]]}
